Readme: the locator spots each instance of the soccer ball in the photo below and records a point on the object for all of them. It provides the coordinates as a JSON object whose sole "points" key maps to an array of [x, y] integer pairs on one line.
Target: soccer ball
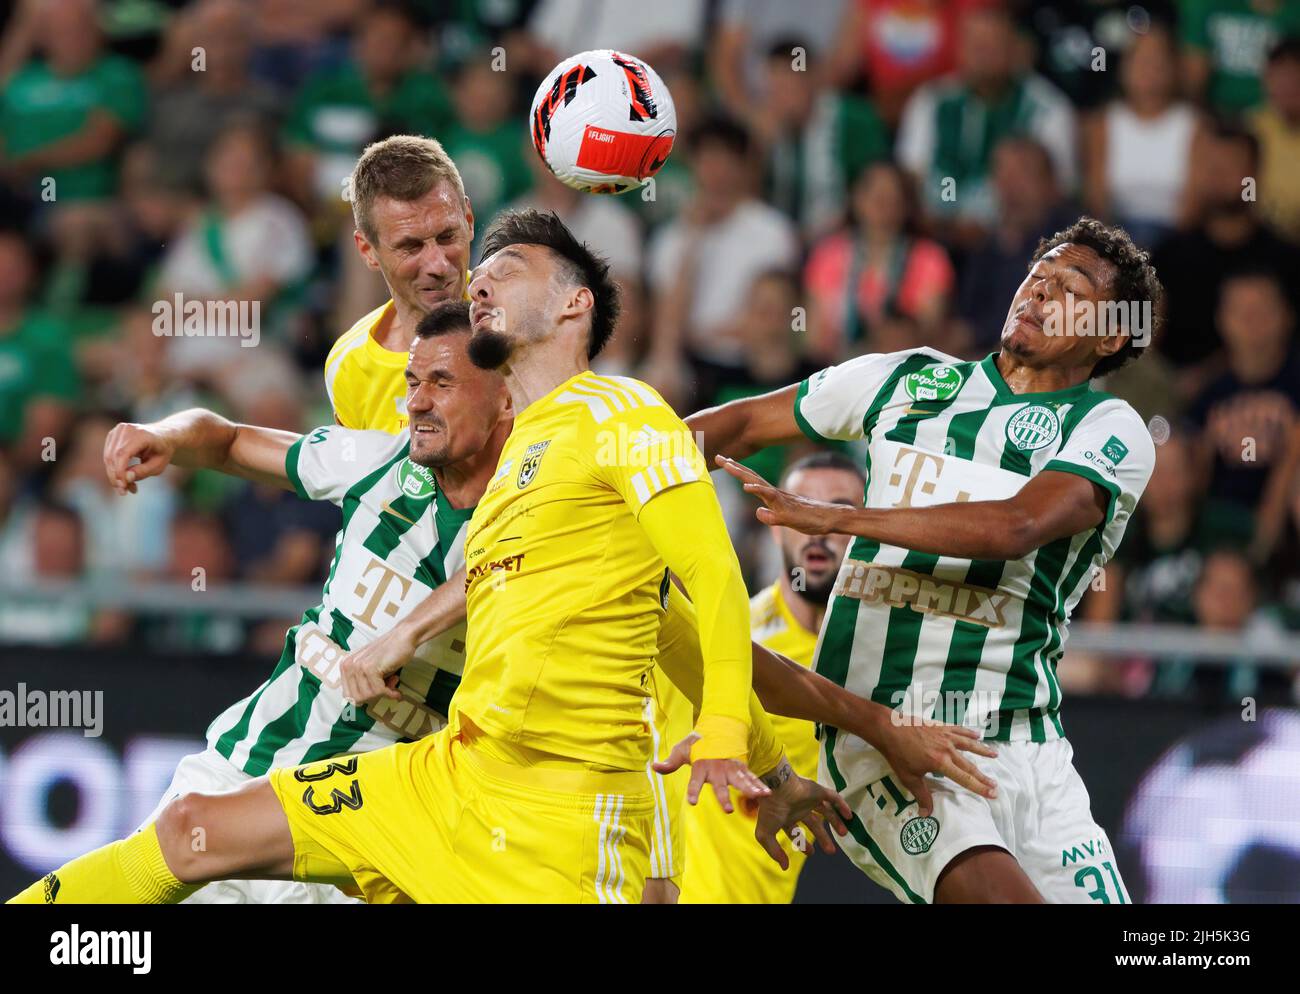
{"points": [[603, 122]]}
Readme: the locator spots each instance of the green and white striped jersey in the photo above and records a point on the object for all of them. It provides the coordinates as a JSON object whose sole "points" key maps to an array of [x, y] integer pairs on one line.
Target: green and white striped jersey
{"points": [[399, 540], [978, 639]]}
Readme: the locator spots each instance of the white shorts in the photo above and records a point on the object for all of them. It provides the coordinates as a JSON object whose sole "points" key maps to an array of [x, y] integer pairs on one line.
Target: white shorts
{"points": [[1041, 817], [209, 772]]}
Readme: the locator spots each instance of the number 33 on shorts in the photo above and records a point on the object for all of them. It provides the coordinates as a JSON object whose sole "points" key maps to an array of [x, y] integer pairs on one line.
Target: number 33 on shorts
{"points": [[343, 793]]}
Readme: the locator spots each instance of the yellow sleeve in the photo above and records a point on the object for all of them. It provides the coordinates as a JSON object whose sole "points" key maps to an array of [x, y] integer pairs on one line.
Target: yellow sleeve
{"points": [[684, 524], [336, 387], [681, 660]]}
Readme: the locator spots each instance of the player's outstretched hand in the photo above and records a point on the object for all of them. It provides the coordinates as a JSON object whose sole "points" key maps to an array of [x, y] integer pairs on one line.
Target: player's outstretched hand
{"points": [[127, 442], [796, 801], [812, 517], [371, 671], [915, 747], [720, 774]]}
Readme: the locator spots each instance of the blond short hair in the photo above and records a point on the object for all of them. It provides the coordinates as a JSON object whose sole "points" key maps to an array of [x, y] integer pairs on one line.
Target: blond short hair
{"points": [[403, 167]]}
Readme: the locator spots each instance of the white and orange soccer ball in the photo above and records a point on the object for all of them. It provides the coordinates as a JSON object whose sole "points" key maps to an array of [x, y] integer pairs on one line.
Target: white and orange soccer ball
{"points": [[603, 122]]}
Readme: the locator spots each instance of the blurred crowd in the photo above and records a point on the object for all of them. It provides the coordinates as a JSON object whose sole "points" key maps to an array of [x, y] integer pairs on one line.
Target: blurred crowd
{"points": [[850, 176]]}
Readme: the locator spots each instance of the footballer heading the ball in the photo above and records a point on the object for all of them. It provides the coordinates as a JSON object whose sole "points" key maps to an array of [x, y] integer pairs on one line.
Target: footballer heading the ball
{"points": [[603, 122]]}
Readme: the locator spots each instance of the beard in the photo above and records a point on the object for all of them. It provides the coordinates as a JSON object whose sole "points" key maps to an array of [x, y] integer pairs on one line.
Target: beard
{"points": [[489, 349], [818, 593]]}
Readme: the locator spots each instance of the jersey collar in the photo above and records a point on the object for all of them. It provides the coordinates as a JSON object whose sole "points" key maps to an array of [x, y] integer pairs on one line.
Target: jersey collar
{"points": [[1006, 395]]}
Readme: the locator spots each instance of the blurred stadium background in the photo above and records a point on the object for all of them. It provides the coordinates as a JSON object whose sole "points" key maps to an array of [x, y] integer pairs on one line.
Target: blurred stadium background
{"points": [[202, 148]]}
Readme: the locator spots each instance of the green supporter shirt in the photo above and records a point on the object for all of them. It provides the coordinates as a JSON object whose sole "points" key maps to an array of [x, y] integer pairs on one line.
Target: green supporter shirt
{"points": [[39, 108], [1236, 35], [862, 136], [35, 362], [336, 112]]}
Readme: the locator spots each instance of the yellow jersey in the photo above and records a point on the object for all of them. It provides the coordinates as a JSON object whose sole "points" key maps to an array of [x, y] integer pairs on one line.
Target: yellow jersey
{"points": [[365, 381], [723, 863], [565, 592]]}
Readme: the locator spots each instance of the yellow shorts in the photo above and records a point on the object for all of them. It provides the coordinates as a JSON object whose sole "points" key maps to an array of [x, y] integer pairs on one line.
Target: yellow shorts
{"points": [[673, 718], [724, 862], [438, 821]]}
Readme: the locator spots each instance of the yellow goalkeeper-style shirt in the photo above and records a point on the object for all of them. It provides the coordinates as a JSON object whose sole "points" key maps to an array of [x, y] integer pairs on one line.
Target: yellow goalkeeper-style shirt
{"points": [[365, 381], [723, 864], [565, 591]]}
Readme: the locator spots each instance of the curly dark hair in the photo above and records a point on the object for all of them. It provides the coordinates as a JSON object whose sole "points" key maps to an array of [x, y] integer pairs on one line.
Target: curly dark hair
{"points": [[1135, 278], [580, 266]]}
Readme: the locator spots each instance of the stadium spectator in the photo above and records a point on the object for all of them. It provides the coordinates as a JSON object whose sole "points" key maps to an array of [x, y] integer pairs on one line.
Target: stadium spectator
{"points": [[64, 115], [1030, 206], [701, 264], [202, 84], [1225, 48], [815, 139], [1247, 413], [384, 87], [1138, 147], [746, 32], [1228, 234], [878, 264], [247, 245], [951, 126], [39, 384], [1227, 600], [902, 44], [56, 537], [1276, 126]]}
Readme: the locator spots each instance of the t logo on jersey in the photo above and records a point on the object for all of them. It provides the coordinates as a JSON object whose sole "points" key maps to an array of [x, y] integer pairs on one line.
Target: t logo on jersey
{"points": [[378, 596], [529, 464], [1033, 427]]}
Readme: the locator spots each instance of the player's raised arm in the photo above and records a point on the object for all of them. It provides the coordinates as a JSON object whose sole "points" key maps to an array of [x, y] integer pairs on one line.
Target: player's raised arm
{"points": [[685, 525], [742, 427], [830, 405], [1094, 479], [198, 438], [370, 672], [913, 748]]}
